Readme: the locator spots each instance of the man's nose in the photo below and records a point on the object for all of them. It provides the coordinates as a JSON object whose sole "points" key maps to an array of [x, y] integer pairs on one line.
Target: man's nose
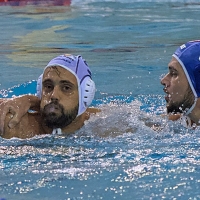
{"points": [[164, 80], [55, 95]]}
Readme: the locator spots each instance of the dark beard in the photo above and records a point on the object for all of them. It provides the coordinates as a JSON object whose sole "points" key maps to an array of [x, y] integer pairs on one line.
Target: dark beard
{"points": [[184, 105], [54, 120]]}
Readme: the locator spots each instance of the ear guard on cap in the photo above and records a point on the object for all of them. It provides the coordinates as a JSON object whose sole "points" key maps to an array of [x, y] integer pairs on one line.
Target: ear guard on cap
{"points": [[86, 94], [87, 90], [39, 87]]}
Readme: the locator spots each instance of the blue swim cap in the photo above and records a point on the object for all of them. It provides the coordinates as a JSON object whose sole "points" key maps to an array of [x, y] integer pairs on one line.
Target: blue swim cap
{"points": [[188, 55]]}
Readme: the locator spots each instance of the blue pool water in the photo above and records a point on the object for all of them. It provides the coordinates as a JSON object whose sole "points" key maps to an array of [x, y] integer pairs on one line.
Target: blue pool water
{"points": [[128, 45]]}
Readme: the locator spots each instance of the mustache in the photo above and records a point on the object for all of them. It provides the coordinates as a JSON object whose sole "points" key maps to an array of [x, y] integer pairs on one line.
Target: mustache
{"points": [[55, 104], [45, 110]]}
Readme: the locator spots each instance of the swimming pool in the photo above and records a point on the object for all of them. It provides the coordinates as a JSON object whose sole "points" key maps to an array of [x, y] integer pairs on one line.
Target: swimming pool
{"points": [[128, 45]]}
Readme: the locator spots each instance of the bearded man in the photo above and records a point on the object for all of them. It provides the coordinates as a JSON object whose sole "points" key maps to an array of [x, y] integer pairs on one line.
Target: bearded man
{"points": [[182, 84], [64, 92]]}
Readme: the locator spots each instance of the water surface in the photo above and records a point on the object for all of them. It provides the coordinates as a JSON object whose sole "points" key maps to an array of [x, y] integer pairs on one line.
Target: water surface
{"points": [[128, 45]]}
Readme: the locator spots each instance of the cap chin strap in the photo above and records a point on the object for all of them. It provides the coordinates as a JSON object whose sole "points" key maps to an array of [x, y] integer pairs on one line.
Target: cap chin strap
{"points": [[57, 131], [87, 92], [191, 108]]}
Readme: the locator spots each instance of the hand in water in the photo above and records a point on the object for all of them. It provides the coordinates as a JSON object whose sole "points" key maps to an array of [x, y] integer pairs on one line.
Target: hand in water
{"points": [[17, 107]]}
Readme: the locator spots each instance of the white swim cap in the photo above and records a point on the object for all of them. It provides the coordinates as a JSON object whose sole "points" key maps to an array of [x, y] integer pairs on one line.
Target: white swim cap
{"points": [[79, 68]]}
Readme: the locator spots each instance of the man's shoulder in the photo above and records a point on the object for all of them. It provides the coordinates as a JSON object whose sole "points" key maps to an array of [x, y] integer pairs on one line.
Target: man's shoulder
{"points": [[174, 117], [93, 110]]}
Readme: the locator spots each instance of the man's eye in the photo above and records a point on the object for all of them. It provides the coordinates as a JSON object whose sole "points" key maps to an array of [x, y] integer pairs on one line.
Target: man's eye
{"points": [[173, 73], [66, 88], [48, 87]]}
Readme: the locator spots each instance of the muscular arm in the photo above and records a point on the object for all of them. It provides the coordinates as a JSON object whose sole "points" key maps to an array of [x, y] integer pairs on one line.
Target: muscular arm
{"points": [[17, 107], [29, 126]]}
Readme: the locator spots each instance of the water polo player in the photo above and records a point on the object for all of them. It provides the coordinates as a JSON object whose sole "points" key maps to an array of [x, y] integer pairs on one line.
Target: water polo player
{"points": [[64, 90]]}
